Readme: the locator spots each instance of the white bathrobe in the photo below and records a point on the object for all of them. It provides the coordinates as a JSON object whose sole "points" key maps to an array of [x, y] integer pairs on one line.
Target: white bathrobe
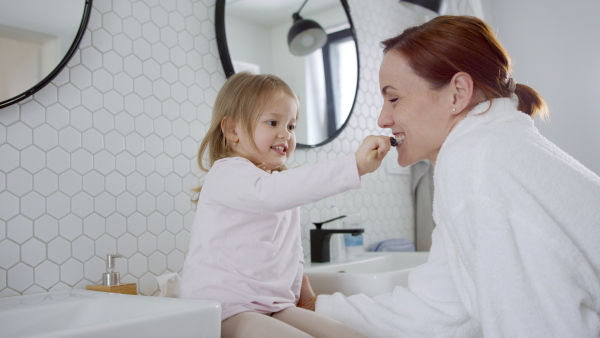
{"points": [[516, 250], [245, 247]]}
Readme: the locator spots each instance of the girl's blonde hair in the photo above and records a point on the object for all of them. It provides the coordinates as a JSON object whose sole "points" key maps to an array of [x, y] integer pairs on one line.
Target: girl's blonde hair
{"points": [[242, 99]]}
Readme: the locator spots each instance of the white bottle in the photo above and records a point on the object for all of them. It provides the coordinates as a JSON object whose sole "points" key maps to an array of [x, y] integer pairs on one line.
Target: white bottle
{"points": [[336, 244]]}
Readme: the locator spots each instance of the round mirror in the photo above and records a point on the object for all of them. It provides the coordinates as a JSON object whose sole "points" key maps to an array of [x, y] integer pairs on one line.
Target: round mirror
{"points": [[252, 35], [38, 38]]}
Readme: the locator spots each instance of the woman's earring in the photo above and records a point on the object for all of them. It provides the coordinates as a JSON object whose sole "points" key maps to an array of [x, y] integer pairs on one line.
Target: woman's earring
{"points": [[453, 110]]}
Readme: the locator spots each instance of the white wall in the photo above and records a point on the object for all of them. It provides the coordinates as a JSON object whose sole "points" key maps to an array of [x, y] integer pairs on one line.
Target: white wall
{"points": [[102, 159], [555, 46]]}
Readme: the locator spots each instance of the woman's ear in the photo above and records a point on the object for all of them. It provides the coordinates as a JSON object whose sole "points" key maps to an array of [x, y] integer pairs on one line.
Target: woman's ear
{"points": [[229, 131], [461, 87]]}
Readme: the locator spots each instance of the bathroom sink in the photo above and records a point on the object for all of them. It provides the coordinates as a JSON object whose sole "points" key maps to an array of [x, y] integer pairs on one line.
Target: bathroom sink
{"points": [[83, 313], [371, 273]]}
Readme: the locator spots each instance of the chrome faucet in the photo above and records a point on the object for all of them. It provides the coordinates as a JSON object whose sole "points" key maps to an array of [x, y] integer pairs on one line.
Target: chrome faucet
{"points": [[319, 240]]}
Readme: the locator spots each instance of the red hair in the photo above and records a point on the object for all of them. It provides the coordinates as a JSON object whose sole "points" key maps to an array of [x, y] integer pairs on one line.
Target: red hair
{"points": [[446, 45]]}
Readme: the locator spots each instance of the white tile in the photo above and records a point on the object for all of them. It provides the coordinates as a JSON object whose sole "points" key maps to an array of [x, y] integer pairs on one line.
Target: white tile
{"points": [[142, 49], [137, 265], [155, 184], [116, 225], [45, 228], [175, 260], [127, 245], [136, 183], [182, 241], [112, 62], [9, 156], [156, 223], [132, 28], [126, 204], [10, 253], [115, 183], [136, 224], [35, 115], [93, 183], [142, 86], [164, 203], [93, 140], [33, 252], [123, 84], [82, 249], [161, 89], [45, 137], [113, 101], [32, 159], [59, 250], [147, 284], [141, 11], [81, 77], [144, 163], [47, 96], [146, 204], [94, 268], [112, 23], [19, 182], [19, 135], [104, 162], [69, 139], [159, 16], [94, 226], [105, 245], [102, 40], [157, 263], [102, 80], [20, 277], [58, 161], [69, 96], [33, 205], [58, 205], [82, 204], [46, 274], [164, 164], [71, 272], [92, 100], [166, 242], [70, 182], [162, 127], [70, 227], [150, 32], [104, 204]]}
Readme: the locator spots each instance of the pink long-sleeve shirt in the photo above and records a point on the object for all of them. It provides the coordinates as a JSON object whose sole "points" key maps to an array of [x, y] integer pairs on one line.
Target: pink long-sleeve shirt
{"points": [[245, 247]]}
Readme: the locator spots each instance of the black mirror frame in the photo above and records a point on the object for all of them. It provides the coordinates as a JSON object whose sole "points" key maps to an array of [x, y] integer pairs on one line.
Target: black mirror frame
{"points": [[87, 9], [229, 70]]}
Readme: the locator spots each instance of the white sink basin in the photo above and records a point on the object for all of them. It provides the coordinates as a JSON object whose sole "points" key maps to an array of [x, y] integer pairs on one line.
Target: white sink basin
{"points": [[83, 313], [372, 273]]}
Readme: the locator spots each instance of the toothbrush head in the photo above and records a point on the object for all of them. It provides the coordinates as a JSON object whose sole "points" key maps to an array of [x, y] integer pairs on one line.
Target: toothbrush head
{"points": [[393, 141]]}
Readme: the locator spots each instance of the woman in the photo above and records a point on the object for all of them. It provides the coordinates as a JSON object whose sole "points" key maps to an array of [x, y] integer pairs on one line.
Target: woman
{"points": [[516, 250]]}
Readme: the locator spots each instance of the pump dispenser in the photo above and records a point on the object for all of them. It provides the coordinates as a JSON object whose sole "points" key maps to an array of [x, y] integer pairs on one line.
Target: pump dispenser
{"points": [[111, 280]]}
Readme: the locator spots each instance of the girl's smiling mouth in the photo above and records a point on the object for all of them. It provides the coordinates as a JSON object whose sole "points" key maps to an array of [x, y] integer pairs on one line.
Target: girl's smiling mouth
{"points": [[280, 149]]}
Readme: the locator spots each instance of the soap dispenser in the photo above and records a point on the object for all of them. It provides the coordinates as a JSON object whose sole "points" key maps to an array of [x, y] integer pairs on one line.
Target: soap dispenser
{"points": [[111, 280]]}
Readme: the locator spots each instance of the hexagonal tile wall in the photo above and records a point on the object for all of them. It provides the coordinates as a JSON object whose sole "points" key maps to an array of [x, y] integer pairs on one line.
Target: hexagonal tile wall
{"points": [[102, 159]]}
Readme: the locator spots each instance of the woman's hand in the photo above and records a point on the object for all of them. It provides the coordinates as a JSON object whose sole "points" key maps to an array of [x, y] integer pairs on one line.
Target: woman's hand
{"points": [[371, 152], [308, 298]]}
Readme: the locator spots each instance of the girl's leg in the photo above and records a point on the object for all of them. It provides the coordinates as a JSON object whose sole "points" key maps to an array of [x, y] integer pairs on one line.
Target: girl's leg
{"points": [[315, 324], [254, 324]]}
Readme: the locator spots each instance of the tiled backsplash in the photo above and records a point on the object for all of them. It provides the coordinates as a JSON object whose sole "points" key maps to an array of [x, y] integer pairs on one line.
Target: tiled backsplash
{"points": [[102, 159]]}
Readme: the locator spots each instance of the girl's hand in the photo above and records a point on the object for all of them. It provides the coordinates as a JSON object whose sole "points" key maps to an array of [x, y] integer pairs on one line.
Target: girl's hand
{"points": [[371, 152], [308, 299]]}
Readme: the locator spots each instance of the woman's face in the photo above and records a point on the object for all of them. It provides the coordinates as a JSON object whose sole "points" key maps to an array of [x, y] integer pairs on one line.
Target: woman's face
{"points": [[411, 109]]}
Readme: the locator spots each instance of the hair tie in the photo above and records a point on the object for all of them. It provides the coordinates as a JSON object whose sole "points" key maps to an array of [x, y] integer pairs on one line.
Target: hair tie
{"points": [[511, 85]]}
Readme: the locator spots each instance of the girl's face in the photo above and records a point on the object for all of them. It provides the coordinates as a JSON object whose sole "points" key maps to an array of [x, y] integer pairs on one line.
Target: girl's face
{"points": [[273, 135], [413, 110]]}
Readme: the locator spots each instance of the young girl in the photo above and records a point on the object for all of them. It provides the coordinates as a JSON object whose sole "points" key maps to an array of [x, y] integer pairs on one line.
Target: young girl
{"points": [[245, 248]]}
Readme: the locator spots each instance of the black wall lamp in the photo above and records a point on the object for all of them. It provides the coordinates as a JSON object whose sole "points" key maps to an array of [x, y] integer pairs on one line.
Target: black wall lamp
{"points": [[305, 36], [433, 5]]}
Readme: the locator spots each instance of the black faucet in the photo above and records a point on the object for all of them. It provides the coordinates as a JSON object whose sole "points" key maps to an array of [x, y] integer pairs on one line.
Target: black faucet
{"points": [[319, 240]]}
